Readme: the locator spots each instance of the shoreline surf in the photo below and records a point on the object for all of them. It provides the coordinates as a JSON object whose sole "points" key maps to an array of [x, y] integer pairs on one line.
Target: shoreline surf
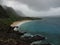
{"points": [[17, 24]]}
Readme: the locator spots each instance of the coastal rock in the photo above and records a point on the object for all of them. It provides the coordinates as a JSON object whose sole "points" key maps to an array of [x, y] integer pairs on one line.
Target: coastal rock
{"points": [[38, 37], [27, 37], [31, 38], [41, 43]]}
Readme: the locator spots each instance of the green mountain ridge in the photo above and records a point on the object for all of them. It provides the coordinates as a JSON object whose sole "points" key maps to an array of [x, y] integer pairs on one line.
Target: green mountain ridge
{"points": [[8, 16]]}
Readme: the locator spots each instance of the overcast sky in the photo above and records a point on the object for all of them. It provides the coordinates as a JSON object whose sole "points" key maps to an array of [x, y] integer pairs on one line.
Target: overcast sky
{"points": [[35, 8]]}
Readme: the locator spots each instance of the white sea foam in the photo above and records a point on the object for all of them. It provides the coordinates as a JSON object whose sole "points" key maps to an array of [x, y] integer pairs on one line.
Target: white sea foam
{"points": [[19, 23], [27, 35], [36, 42]]}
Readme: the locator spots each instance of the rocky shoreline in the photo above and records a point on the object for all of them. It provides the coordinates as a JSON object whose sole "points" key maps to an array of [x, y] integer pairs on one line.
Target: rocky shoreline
{"points": [[11, 37]]}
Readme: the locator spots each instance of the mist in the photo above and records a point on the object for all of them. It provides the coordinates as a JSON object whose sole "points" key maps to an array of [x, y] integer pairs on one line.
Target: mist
{"points": [[45, 8]]}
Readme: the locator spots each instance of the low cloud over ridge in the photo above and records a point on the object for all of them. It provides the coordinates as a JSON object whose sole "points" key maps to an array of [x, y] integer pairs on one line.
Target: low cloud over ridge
{"points": [[27, 11]]}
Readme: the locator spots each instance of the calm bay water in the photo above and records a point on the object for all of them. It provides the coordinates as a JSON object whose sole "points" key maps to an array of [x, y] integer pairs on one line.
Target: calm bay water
{"points": [[48, 27]]}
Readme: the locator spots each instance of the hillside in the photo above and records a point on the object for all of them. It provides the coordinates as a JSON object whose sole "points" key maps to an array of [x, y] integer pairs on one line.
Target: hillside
{"points": [[3, 13], [8, 15]]}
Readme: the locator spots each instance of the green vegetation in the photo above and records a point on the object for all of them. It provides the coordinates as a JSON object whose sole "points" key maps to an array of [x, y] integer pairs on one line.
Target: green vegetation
{"points": [[7, 35], [8, 16]]}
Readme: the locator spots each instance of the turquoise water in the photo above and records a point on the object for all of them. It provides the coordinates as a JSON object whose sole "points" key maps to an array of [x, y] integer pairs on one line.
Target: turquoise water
{"points": [[48, 27]]}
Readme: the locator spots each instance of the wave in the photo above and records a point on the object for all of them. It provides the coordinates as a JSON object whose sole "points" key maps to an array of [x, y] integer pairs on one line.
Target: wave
{"points": [[17, 24]]}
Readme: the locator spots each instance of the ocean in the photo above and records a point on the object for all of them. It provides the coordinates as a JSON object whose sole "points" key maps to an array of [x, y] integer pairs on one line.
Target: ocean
{"points": [[48, 27]]}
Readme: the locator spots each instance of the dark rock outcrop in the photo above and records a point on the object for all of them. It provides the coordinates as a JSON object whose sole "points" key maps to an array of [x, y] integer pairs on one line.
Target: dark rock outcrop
{"points": [[32, 39], [11, 37], [46, 44], [38, 37]]}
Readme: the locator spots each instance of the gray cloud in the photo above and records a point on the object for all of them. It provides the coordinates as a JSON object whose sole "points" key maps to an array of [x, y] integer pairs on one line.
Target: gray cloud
{"points": [[0, 1], [35, 8], [41, 4]]}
